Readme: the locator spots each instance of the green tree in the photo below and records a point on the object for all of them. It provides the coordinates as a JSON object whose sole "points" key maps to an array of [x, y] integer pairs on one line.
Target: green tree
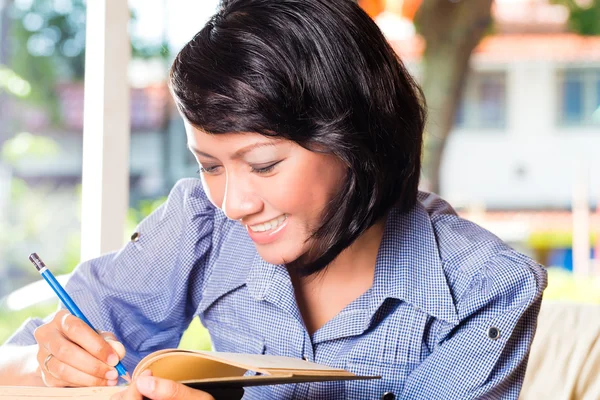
{"points": [[452, 30], [584, 16], [48, 45]]}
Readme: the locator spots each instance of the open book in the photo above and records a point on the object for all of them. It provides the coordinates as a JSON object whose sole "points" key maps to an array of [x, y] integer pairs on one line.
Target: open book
{"points": [[224, 375]]}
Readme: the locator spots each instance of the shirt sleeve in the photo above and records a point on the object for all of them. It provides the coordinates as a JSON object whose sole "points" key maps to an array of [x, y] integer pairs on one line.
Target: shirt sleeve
{"points": [[147, 292], [485, 355]]}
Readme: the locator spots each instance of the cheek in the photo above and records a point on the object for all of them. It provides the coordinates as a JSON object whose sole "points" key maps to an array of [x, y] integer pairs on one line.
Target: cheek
{"points": [[306, 192], [214, 189]]}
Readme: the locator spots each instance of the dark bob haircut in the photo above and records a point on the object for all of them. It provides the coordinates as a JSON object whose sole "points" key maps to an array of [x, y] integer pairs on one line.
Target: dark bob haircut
{"points": [[321, 74]]}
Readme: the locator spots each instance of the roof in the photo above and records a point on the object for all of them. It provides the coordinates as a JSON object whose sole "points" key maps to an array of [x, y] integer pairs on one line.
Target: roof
{"points": [[536, 220], [147, 108], [559, 47]]}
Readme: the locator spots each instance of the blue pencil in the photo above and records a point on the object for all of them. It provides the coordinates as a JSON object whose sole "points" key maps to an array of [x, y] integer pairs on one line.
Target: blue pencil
{"points": [[65, 298]]}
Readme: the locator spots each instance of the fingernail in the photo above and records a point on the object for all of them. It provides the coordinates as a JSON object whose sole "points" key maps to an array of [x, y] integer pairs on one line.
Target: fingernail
{"points": [[146, 384], [113, 360], [113, 382], [112, 374]]}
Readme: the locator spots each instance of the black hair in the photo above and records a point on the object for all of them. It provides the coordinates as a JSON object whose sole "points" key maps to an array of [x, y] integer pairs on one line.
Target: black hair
{"points": [[319, 73]]}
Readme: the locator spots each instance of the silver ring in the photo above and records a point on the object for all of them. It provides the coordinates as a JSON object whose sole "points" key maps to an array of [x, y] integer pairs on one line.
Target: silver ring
{"points": [[46, 362]]}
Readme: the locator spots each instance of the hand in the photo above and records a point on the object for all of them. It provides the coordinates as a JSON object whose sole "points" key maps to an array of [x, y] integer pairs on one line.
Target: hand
{"points": [[147, 386], [79, 355]]}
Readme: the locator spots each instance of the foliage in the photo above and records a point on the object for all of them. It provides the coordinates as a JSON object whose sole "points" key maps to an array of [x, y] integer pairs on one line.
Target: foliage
{"points": [[13, 84], [25, 144], [48, 46], [584, 15], [137, 214], [10, 321], [37, 215], [40, 213]]}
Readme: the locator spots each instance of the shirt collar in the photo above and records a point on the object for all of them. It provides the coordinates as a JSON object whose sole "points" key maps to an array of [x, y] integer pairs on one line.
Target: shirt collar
{"points": [[409, 267]]}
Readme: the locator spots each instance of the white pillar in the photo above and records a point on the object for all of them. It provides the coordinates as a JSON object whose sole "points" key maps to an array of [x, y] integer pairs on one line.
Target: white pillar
{"points": [[581, 221], [105, 175]]}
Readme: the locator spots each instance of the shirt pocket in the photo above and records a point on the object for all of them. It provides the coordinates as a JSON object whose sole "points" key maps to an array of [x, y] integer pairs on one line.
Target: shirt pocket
{"points": [[233, 339], [392, 379]]}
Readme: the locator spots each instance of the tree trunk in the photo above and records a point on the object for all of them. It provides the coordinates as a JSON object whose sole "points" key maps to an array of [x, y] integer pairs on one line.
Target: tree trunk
{"points": [[451, 29]]}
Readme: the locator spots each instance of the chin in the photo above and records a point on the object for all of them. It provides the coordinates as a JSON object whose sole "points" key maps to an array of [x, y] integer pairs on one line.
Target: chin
{"points": [[276, 256]]}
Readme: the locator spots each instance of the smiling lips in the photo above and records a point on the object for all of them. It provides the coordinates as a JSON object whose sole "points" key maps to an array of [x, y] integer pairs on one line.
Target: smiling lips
{"points": [[269, 231], [269, 225]]}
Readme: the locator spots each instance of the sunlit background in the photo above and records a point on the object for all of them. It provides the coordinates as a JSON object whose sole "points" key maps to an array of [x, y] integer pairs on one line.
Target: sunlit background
{"points": [[521, 158]]}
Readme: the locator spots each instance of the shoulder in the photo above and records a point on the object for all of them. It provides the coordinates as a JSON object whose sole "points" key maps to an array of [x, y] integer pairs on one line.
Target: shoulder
{"points": [[187, 219], [187, 201], [482, 271]]}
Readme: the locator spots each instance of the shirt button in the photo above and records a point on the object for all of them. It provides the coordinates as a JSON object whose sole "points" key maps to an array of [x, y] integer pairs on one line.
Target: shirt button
{"points": [[135, 237], [305, 358], [493, 333], [388, 396]]}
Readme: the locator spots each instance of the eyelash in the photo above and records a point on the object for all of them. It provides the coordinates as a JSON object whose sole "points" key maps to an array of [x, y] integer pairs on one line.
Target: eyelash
{"points": [[260, 171], [264, 170], [203, 170]]}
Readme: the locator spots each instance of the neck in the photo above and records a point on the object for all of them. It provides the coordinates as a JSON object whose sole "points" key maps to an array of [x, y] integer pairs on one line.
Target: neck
{"points": [[320, 297], [355, 262]]}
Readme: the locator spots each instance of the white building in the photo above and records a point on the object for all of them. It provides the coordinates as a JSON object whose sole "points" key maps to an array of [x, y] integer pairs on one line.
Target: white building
{"points": [[528, 126], [529, 121]]}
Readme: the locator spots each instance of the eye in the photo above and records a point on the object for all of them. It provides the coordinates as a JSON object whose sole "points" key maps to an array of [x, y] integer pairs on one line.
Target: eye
{"points": [[265, 170], [208, 170]]}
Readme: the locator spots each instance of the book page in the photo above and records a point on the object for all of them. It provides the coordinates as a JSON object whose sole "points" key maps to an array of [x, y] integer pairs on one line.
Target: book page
{"points": [[266, 362]]}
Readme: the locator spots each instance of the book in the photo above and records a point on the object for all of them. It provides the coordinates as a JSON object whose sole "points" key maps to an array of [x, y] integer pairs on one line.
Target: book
{"points": [[223, 375]]}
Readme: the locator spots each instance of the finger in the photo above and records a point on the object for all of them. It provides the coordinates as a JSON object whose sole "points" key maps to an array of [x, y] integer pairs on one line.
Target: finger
{"points": [[44, 332], [114, 343], [53, 374], [71, 354], [50, 380], [80, 333], [74, 377], [164, 389], [131, 393]]}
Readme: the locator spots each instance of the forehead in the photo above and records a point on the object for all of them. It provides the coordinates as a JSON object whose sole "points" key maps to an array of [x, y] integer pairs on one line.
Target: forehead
{"points": [[225, 141]]}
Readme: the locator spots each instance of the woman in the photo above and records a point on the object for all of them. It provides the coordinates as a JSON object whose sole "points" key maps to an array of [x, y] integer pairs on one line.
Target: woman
{"points": [[306, 236]]}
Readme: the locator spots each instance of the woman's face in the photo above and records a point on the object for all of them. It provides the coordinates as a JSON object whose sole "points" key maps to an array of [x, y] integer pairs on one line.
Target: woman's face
{"points": [[274, 187]]}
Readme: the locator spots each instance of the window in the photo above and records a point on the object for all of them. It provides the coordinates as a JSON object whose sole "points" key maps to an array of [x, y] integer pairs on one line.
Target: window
{"points": [[483, 105], [579, 97]]}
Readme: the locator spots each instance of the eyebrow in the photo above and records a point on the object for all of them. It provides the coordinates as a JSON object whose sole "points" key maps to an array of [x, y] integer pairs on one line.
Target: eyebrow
{"points": [[238, 154]]}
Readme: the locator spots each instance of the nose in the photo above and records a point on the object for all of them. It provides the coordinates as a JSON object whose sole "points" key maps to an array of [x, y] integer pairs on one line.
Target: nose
{"points": [[239, 200]]}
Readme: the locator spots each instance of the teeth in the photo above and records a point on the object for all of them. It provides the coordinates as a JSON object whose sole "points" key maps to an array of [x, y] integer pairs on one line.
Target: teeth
{"points": [[269, 225]]}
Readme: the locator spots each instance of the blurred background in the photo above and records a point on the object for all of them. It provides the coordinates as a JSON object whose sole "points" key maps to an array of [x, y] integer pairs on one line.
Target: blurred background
{"points": [[512, 141]]}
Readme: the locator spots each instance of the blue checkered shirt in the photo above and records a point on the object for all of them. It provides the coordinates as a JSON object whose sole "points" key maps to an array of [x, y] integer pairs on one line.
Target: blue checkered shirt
{"points": [[451, 313]]}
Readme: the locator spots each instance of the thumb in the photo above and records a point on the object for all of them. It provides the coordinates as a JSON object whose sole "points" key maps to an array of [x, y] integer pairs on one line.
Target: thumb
{"points": [[114, 343], [163, 389]]}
